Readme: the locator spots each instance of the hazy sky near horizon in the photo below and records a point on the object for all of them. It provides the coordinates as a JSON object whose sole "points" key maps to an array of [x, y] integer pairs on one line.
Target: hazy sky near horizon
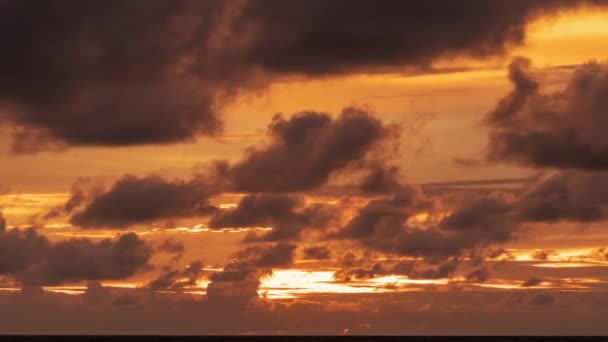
{"points": [[304, 167]]}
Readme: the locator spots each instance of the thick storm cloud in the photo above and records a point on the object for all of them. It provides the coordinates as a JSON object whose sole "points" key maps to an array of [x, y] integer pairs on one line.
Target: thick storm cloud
{"points": [[176, 279], [566, 196], [133, 200], [31, 258], [306, 149], [287, 215], [138, 72], [562, 129], [384, 225], [302, 153]]}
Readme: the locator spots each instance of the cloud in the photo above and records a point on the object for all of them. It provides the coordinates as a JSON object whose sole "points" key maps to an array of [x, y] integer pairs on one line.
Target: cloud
{"points": [[133, 200], [382, 215], [384, 225], [478, 276], [381, 179], [599, 254], [306, 149], [81, 191], [359, 273], [566, 196], [543, 254], [176, 279], [237, 284], [271, 256], [413, 269], [534, 281], [417, 269], [288, 215], [95, 76], [172, 246], [2, 223], [302, 153], [319, 38], [455, 222], [561, 130], [20, 250], [33, 259], [317, 253]]}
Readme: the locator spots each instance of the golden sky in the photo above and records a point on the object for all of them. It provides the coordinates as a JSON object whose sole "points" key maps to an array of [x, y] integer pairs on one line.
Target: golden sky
{"points": [[464, 174]]}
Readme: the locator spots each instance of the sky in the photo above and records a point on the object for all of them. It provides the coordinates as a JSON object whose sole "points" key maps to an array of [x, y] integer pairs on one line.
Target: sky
{"points": [[304, 167]]}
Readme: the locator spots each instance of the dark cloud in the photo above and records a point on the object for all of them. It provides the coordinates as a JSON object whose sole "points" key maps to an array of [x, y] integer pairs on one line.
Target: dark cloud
{"points": [[534, 281], [277, 255], [33, 259], [320, 37], [566, 196], [2, 223], [306, 149], [237, 284], [501, 252], [172, 246], [352, 259], [599, 254], [562, 129], [417, 269], [256, 261], [177, 279], [303, 152], [474, 220], [79, 259], [287, 215], [383, 215], [384, 225], [132, 200], [359, 273], [317, 253], [478, 276], [113, 74], [456, 191], [81, 191], [368, 268], [135, 72], [20, 250]]}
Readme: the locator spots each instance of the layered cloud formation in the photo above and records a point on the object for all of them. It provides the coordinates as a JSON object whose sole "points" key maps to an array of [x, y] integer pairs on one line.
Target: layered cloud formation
{"points": [[323, 198], [87, 73]]}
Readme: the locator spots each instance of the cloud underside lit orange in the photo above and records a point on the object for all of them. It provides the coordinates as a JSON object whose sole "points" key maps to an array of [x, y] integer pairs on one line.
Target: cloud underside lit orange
{"points": [[304, 167]]}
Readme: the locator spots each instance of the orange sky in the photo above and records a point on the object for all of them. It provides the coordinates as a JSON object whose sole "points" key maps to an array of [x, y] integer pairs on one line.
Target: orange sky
{"points": [[440, 116]]}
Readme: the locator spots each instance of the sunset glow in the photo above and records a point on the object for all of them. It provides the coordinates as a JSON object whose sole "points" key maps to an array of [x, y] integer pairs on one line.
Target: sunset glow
{"points": [[285, 167]]}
